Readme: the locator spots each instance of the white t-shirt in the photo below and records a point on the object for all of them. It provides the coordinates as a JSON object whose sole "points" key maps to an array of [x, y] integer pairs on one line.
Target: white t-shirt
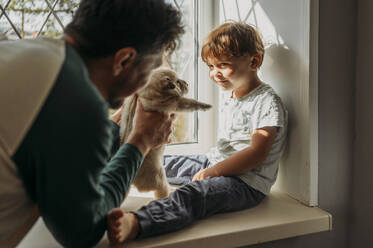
{"points": [[262, 107]]}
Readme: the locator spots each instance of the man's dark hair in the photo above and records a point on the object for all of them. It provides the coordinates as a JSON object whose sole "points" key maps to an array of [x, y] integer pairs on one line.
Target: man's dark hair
{"points": [[102, 27]]}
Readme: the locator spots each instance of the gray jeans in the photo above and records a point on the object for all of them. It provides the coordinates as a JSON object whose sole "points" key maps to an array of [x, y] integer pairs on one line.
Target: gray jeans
{"points": [[195, 200]]}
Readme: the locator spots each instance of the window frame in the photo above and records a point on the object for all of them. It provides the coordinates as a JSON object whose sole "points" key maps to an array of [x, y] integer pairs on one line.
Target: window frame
{"points": [[206, 91]]}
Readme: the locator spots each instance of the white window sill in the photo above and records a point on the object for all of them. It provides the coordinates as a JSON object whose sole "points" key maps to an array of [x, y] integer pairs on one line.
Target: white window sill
{"points": [[277, 217]]}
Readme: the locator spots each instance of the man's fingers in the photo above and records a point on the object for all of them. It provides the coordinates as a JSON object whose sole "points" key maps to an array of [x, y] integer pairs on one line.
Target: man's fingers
{"points": [[169, 124], [118, 110], [169, 133], [156, 126], [139, 104]]}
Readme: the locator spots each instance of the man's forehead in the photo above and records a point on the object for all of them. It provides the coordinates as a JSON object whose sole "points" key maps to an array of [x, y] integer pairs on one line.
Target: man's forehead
{"points": [[151, 56], [152, 60]]}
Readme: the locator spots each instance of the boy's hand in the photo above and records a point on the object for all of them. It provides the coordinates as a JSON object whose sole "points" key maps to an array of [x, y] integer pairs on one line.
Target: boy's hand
{"points": [[205, 173]]}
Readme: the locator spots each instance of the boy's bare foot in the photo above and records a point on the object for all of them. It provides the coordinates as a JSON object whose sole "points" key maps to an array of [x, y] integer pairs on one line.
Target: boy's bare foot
{"points": [[122, 226]]}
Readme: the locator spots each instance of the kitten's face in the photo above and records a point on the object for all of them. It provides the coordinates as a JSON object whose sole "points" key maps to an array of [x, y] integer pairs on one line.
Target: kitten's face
{"points": [[163, 81]]}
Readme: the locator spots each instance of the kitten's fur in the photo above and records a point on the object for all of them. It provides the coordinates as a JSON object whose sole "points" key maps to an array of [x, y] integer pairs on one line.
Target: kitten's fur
{"points": [[163, 93]]}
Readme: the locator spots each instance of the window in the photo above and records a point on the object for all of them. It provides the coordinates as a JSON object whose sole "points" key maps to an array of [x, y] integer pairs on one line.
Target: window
{"points": [[290, 66], [195, 132], [205, 123], [289, 29], [32, 18], [183, 61]]}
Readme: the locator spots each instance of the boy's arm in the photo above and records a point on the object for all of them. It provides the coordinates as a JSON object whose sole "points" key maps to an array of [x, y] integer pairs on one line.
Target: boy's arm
{"points": [[244, 160]]}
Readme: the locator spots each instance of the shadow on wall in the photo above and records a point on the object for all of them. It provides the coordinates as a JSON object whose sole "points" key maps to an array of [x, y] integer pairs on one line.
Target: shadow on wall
{"points": [[281, 68], [284, 27]]}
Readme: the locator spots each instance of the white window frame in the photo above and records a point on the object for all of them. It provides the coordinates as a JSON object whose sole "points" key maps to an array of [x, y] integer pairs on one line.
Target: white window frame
{"points": [[207, 91]]}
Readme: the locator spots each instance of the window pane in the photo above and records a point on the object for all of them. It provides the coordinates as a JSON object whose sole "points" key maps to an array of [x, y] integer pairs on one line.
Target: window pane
{"points": [[30, 18], [184, 62]]}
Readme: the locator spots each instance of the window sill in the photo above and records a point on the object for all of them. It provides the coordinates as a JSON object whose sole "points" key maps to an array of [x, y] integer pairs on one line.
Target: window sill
{"points": [[277, 217]]}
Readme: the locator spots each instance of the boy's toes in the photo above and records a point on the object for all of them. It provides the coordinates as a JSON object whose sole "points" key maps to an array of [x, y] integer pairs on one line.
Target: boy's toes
{"points": [[113, 238], [115, 214], [114, 225], [121, 226]]}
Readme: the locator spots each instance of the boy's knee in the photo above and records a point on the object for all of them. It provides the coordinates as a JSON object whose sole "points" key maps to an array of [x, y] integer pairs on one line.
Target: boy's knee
{"points": [[190, 194]]}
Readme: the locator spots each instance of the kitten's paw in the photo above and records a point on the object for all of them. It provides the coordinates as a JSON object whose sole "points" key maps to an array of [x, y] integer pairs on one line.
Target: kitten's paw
{"points": [[205, 106], [162, 193]]}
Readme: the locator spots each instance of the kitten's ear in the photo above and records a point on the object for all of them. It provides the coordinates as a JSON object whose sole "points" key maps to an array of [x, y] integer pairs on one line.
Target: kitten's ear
{"points": [[122, 59]]}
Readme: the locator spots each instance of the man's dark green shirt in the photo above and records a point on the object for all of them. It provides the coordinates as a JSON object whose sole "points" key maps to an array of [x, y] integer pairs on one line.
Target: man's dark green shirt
{"points": [[69, 160]]}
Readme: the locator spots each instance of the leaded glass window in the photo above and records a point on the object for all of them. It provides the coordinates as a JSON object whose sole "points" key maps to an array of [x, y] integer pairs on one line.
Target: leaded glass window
{"points": [[33, 18]]}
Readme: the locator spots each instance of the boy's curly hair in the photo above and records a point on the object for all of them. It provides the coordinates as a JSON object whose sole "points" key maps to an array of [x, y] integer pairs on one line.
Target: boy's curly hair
{"points": [[232, 39], [102, 27]]}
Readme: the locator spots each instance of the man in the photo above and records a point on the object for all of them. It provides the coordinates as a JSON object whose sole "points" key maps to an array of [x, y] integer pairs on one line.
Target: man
{"points": [[59, 153]]}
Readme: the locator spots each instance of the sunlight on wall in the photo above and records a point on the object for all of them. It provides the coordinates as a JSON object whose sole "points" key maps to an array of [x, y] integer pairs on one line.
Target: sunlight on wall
{"points": [[252, 12]]}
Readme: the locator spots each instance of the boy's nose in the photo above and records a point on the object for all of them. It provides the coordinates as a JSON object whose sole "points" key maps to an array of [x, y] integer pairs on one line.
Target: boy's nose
{"points": [[215, 72]]}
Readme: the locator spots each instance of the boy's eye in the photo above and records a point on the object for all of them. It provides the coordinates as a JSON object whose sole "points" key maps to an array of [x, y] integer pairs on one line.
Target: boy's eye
{"points": [[223, 64]]}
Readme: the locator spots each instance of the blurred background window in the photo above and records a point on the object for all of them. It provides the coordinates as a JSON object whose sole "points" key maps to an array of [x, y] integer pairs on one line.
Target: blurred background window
{"points": [[34, 18]]}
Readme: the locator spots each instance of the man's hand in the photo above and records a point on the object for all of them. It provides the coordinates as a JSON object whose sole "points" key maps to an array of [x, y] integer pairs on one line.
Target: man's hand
{"points": [[117, 116], [205, 173], [150, 129]]}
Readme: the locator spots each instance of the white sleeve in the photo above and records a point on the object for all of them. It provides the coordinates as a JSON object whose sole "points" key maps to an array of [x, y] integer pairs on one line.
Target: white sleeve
{"points": [[270, 113]]}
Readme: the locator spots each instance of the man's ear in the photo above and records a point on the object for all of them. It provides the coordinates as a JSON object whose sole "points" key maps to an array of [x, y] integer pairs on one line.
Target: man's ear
{"points": [[122, 59], [165, 62]]}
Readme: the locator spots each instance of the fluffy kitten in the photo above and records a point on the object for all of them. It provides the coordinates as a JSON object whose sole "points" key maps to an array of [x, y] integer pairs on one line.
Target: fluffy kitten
{"points": [[163, 92]]}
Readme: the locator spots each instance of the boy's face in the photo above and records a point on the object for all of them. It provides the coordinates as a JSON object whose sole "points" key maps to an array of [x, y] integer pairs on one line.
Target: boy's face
{"points": [[230, 73]]}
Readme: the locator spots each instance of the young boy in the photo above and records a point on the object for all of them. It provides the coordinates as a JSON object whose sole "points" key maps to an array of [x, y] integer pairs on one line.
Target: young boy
{"points": [[239, 172]]}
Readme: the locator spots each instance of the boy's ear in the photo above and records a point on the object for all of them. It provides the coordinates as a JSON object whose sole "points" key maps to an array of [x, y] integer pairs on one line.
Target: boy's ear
{"points": [[256, 61], [123, 58]]}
